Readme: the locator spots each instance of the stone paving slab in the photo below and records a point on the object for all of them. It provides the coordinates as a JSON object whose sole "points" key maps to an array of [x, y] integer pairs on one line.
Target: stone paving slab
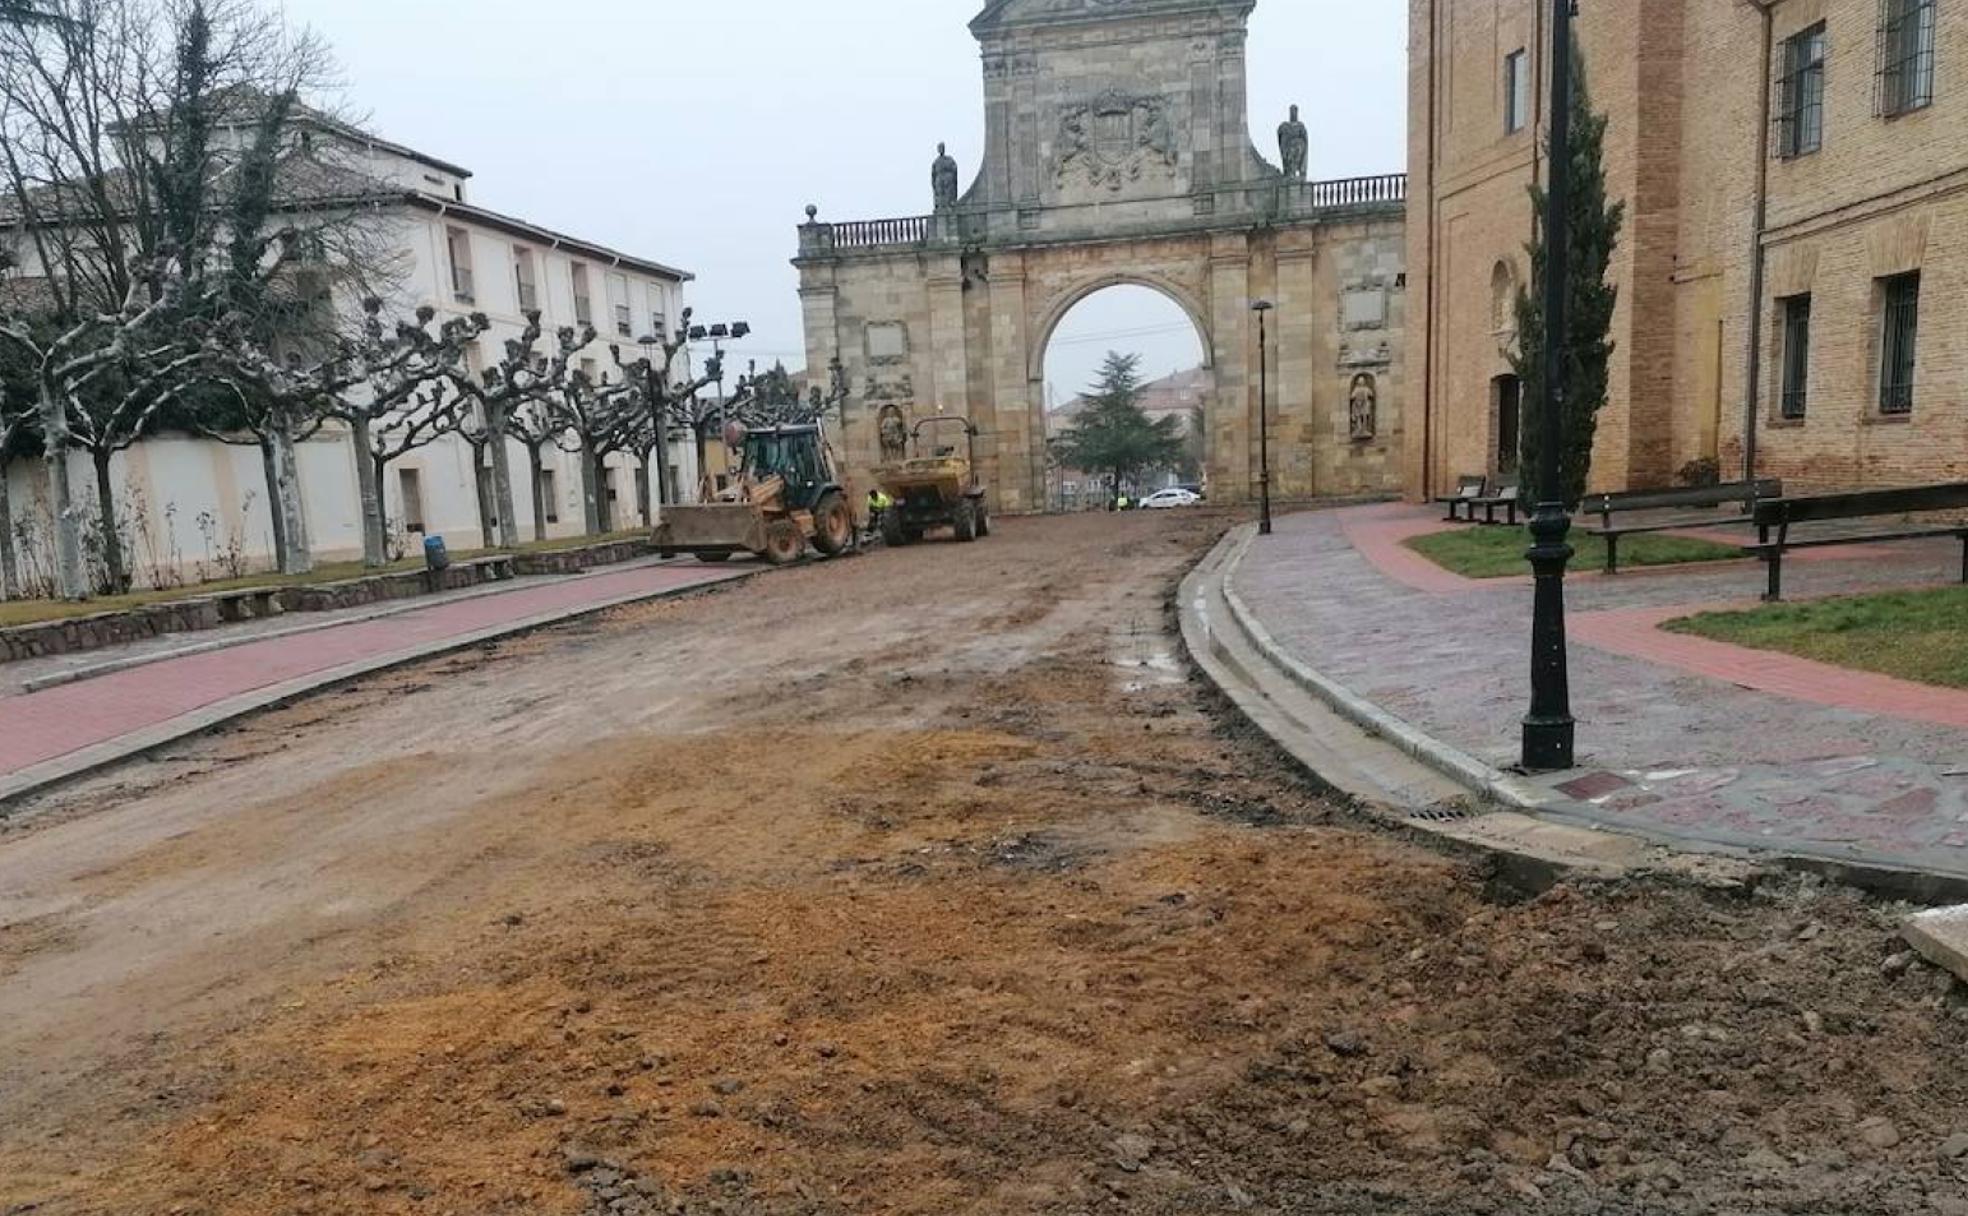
{"points": [[1859, 767], [149, 705]]}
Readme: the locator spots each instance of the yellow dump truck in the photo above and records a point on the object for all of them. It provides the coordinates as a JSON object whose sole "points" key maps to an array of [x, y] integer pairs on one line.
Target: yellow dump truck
{"points": [[935, 486]]}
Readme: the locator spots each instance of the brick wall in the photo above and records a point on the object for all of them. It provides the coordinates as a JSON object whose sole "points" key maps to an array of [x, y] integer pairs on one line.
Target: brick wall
{"points": [[1684, 83]]}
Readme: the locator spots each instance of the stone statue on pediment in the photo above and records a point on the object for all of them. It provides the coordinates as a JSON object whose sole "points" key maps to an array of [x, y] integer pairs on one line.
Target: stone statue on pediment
{"points": [[1294, 146], [943, 178]]}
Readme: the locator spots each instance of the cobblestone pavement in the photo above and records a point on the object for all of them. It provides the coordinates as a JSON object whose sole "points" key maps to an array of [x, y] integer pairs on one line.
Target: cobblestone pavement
{"points": [[46, 725], [1676, 736]]}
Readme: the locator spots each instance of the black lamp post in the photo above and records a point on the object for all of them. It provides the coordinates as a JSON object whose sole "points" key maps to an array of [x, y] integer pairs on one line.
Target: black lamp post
{"points": [[717, 335], [1261, 308], [1549, 730]]}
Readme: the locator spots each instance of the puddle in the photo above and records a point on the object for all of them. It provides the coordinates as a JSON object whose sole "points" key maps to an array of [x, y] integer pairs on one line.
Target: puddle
{"points": [[1147, 662]]}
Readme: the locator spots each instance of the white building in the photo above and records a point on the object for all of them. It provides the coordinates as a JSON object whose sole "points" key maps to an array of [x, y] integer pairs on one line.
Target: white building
{"points": [[191, 502]]}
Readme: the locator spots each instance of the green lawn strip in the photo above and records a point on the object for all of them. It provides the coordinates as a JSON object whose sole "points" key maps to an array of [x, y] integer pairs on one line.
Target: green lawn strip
{"points": [[28, 612], [1499, 552], [1914, 635]]}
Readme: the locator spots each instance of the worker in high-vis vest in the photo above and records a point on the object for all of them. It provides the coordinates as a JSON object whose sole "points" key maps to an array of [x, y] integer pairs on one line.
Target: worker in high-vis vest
{"points": [[879, 504]]}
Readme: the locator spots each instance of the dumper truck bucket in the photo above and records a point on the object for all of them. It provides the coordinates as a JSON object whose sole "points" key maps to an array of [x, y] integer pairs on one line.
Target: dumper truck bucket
{"points": [[718, 528]]}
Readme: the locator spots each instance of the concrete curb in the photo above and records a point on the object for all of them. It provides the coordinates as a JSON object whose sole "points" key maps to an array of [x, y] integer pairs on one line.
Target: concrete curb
{"points": [[40, 778], [1886, 877], [1459, 766]]}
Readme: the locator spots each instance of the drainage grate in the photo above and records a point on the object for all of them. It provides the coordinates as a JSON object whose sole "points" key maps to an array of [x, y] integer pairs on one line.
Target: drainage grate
{"points": [[1444, 812]]}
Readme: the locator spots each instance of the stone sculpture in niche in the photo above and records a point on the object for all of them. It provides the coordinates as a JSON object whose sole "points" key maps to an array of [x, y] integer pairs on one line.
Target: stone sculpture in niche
{"points": [[1363, 408], [893, 431]]}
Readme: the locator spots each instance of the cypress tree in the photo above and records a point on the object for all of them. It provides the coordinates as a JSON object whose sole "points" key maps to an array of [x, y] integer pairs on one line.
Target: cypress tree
{"points": [[1595, 233]]}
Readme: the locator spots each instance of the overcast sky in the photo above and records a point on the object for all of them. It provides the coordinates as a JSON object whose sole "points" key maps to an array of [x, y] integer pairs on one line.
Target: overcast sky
{"points": [[696, 131]]}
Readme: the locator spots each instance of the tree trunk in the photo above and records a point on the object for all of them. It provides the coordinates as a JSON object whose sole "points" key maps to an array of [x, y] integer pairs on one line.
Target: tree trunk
{"points": [[369, 485], [536, 468], [664, 491], [112, 539], [10, 587], [381, 465], [290, 506], [590, 494], [488, 520], [270, 473], [502, 486], [71, 579], [703, 468]]}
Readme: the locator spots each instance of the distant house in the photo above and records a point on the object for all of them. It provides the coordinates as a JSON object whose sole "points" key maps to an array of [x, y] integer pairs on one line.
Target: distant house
{"points": [[188, 496], [1183, 396]]}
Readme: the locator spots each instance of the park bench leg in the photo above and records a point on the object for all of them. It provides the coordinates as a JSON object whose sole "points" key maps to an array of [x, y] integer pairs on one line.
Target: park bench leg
{"points": [[1612, 553], [1964, 558], [1513, 514], [1775, 594]]}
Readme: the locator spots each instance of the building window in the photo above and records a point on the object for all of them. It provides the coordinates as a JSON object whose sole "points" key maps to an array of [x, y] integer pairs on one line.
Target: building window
{"points": [[618, 303], [1906, 56], [583, 297], [458, 242], [1796, 384], [529, 288], [642, 488], [410, 485], [1516, 91], [1800, 94], [1899, 342], [659, 316], [550, 495]]}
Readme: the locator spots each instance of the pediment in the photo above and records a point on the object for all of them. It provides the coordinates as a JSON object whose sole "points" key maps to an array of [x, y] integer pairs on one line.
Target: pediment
{"points": [[1006, 14]]}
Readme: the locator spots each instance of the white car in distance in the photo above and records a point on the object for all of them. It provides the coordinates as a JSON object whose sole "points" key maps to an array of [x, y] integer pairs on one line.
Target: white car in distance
{"points": [[1169, 499]]}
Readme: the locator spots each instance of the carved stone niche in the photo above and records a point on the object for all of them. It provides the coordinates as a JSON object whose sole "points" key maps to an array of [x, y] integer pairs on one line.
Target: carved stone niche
{"points": [[1357, 354], [888, 342], [1363, 408]]}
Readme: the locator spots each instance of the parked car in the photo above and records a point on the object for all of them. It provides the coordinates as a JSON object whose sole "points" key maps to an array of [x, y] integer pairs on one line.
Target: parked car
{"points": [[1169, 499]]}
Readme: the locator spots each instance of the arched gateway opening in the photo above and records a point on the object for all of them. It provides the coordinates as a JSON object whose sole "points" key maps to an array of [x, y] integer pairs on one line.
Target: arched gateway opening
{"points": [[1118, 155], [1171, 362]]}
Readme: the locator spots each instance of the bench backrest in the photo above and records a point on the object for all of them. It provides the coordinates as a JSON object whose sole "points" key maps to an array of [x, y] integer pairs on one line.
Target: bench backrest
{"points": [[1693, 496], [1471, 487], [1862, 503]]}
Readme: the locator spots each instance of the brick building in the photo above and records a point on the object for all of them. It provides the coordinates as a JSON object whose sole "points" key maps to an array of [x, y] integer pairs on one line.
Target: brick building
{"points": [[1793, 267]]}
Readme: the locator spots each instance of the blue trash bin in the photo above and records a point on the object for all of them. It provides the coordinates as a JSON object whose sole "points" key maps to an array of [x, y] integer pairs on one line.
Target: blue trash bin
{"points": [[436, 556]]}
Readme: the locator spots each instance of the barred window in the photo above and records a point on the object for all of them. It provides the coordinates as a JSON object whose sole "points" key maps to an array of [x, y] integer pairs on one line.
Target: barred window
{"points": [[1796, 356], [1516, 91], [1906, 56], [1800, 94], [1899, 342]]}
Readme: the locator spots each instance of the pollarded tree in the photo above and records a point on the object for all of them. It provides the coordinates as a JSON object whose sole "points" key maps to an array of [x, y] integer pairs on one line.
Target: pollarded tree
{"points": [[537, 422], [601, 418], [670, 399], [18, 437], [1595, 232], [399, 401], [1112, 435]]}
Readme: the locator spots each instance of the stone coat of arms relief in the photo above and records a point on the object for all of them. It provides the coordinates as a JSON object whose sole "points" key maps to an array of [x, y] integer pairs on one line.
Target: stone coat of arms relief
{"points": [[1113, 140]]}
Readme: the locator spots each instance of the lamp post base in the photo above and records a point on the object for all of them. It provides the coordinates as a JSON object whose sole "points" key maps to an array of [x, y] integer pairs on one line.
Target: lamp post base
{"points": [[1548, 745], [1549, 728]]}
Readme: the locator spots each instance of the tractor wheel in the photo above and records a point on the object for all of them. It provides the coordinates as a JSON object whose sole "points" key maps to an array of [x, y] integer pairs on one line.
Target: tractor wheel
{"points": [[893, 534], [714, 557], [983, 519], [783, 543], [965, 519], [833, 525]]}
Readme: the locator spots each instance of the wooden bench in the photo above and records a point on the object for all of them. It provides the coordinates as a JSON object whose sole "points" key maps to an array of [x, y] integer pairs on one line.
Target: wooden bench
{"points": [[1468, 491], [1605, 506], [1781, 515], [1506, 497]]}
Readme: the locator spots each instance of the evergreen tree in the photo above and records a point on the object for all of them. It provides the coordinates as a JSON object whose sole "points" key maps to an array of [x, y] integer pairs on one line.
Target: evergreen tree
{"points": [[1112, 435], [1595, 232]]}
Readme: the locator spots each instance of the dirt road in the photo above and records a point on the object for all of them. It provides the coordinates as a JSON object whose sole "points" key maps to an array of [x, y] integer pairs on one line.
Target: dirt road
{"points": [[921, 883]]}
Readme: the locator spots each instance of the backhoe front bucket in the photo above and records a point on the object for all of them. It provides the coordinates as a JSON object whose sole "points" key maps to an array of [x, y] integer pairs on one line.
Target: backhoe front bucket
{"points": [[716, 528]]}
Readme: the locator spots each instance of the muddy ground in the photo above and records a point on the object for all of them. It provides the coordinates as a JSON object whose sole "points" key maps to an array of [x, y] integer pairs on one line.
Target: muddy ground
{"points": [[926, 882]]}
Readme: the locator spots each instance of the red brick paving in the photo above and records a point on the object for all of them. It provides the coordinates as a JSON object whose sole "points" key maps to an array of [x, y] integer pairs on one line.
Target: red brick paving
{"points": [[42, 726]]}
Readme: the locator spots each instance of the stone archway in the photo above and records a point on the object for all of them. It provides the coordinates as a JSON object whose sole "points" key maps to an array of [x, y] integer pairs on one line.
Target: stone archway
{"points": [[1118, 151]]}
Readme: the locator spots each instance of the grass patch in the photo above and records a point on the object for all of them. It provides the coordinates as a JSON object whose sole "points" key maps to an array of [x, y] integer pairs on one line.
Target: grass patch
{"points": [[1914, 635], [29, 612], [1499, 552]]}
